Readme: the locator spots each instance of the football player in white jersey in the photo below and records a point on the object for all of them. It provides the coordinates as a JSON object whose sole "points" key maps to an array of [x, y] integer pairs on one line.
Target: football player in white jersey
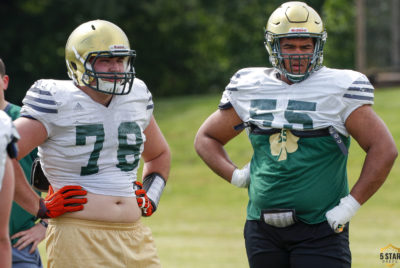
{"points": [[8, 138], [299, 117], [92, 131]]}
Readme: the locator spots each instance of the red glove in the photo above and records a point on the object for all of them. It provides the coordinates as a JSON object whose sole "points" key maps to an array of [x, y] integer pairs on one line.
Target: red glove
{"points": [[143, 200], [56, 204]]}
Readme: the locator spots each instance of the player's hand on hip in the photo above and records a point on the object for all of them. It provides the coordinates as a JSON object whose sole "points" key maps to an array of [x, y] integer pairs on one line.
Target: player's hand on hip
{"points": [[67, 199], [143, 200], [341, 214], [241, 177]]}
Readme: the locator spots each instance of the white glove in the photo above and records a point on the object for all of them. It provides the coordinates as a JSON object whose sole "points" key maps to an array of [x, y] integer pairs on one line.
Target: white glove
{"points": [[241, 177], [341, 214]]}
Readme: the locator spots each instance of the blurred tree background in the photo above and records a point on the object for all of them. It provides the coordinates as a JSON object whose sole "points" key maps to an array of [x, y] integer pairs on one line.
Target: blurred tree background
{"points": [[184, 47]]}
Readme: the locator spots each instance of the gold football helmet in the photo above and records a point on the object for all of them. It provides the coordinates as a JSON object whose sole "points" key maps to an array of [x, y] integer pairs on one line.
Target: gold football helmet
{"points": [[92, 41], [295, 19]]}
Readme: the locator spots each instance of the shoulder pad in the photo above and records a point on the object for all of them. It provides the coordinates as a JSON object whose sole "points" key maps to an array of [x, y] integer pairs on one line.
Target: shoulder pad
{"points": [[40, 98], [249, 78]]}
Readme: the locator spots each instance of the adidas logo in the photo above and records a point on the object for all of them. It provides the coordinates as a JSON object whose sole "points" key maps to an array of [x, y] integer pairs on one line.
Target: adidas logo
{"points": [[78, 107]]}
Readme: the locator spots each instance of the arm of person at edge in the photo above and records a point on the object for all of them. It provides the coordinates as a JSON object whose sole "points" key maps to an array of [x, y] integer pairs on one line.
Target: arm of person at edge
{"points": [[6, 194], [33, 235], [156, 153], [371, 133], [214, 133]]}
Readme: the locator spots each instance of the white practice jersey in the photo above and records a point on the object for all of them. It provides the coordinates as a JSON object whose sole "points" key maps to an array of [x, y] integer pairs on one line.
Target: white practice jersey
{"points": [[326, 98], [8, 134], [89, 144]]}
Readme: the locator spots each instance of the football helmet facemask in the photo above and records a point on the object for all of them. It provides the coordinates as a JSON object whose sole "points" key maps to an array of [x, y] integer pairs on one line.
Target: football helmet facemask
{"points": [[295, 20], [92, 41]]}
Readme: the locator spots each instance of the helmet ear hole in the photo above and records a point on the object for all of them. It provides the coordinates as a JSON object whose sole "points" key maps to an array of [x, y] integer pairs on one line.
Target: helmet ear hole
{"points": [[73, 64]]}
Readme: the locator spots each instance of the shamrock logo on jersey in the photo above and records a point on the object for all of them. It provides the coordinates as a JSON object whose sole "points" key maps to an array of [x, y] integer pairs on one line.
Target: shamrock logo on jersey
{"points": [[283, 143]]}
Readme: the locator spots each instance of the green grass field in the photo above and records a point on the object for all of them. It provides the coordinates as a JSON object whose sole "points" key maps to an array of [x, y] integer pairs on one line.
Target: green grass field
{"points": [[200, 218]]}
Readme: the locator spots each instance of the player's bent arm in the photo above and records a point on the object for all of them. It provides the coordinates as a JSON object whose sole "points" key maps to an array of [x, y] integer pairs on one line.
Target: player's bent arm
{"points": [[157, 161], [371, 133], [214, 133], [6, 195], [373, 136], [32, 134], [156, 154]]}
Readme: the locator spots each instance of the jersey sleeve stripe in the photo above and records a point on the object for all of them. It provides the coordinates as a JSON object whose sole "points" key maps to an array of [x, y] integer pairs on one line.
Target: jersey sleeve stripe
{"points": [[358, 97], [41, 109], [232, 88], [151, 106], [362, 83], [40, 92], [224, 106], [39, 100], [361, 89], [26, 115]]}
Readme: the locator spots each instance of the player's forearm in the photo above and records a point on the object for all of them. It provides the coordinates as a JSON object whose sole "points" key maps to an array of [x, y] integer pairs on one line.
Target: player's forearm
{"points": [[160, 164], [24, 195], [214, 155], [378, 163], [5, 251]]}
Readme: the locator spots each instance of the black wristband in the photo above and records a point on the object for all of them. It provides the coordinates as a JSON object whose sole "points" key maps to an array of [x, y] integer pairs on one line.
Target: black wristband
{"points": [[42, 210], [42, 222]]}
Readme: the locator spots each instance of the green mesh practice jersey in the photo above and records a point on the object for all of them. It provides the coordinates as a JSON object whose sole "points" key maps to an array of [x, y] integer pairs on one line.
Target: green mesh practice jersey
{"points": [[307, 174]]}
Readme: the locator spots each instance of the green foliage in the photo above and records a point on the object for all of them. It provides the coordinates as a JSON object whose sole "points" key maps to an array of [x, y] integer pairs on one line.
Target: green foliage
{"points": [[379, 29], [183, 47], [339, 17], [199, 44]]}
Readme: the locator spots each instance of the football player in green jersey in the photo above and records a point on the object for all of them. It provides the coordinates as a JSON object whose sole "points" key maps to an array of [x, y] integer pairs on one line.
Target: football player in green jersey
{"points": [[300, 116]]}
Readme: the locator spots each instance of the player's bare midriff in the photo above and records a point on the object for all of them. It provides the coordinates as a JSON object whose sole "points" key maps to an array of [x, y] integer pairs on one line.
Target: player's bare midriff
{"points": [[108, 208]]}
